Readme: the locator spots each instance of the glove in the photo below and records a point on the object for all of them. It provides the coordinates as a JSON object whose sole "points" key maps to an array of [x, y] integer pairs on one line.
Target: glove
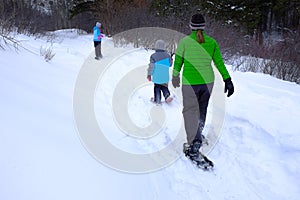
{"points": [[228, 87], [149, 77], [176, 81]]}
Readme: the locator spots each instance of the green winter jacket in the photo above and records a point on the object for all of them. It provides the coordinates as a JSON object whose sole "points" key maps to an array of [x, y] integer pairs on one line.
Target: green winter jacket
{"points": [[197, 60]]}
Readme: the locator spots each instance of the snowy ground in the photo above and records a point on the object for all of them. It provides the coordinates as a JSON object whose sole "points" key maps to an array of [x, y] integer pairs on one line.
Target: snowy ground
{"points": [[42, 156]]}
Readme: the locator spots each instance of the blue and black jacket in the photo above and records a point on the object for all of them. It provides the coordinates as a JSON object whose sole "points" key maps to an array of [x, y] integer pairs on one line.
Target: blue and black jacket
{"points": [[159, 65]]}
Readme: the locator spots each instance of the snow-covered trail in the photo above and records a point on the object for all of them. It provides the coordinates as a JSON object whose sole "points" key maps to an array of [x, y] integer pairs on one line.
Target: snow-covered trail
{"points": [[41, 155], [257, 156]]}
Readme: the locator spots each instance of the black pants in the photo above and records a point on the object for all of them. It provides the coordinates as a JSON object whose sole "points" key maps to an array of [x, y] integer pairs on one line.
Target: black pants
{"points": [[158, 88], [195, 103], [97, 45]]}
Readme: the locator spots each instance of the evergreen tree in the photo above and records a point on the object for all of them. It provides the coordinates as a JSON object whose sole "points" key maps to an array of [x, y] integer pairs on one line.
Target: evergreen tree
{"points": [[256, 16], [114, 14], [178, 11]]}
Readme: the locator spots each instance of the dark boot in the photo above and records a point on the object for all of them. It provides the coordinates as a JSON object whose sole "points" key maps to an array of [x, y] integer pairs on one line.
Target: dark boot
{"points": [[192, 152]]}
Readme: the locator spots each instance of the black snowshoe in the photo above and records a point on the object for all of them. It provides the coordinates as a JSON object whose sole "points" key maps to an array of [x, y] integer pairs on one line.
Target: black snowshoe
{"points": [[192, 153]]}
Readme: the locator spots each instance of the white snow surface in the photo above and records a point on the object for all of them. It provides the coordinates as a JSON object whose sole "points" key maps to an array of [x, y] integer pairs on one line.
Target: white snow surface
{"points": [[42, 157]]}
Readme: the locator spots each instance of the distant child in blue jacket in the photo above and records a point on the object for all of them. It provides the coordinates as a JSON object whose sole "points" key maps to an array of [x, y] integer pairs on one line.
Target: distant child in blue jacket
{"points": [[158, 72], [97, 40]]}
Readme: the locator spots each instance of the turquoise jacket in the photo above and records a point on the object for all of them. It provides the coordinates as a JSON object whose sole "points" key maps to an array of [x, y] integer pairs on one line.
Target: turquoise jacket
{"points": [[159, 65], [97, 34]]}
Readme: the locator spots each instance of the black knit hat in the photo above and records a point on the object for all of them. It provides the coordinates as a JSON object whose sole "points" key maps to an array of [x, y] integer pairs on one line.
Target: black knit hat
{"points": [[197, 22]]}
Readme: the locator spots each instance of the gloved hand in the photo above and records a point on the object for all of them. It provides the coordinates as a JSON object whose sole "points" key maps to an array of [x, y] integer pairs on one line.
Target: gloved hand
{"points": [[100, 36], [149, 77], [228, 87], [176, 81]]}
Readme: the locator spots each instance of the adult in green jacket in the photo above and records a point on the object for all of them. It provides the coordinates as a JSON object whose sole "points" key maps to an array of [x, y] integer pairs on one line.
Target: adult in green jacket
{"points": [[195, 54]]}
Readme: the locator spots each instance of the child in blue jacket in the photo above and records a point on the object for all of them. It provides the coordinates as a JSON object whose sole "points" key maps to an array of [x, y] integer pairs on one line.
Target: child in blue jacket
{"points": [[158, 72], [97, 40]]}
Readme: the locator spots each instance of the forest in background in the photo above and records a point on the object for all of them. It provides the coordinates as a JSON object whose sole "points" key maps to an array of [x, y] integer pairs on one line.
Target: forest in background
{"points": [[254, 35]]}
